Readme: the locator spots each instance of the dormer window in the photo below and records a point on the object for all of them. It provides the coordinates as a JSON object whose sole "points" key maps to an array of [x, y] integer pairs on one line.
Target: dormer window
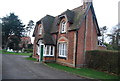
{"points": [[40, 31], [63, 26]]}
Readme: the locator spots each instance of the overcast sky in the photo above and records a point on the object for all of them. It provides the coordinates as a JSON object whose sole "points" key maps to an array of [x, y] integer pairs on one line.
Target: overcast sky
{"points": [[106, 10]]}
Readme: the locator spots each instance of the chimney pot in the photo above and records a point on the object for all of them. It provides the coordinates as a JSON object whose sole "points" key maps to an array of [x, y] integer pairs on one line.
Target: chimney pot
{"points": [[85, 2]]}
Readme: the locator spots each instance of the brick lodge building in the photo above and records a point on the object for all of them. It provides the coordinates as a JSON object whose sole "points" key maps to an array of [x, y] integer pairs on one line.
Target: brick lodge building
{"points": [[65, 38]]}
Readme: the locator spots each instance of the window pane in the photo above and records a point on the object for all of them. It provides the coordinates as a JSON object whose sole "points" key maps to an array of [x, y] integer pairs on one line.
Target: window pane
{"points": [[47, 50], [53, 50], [63, 26], [63, 49], [59, 49], [51, 53], [44, 50], [40, 32]]}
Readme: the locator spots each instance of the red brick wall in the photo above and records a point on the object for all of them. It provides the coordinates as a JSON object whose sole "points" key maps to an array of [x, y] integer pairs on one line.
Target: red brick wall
{"points": [[95, 38], [91, 38], [35, 41], [102, 48], [70, 40], [90, 44], [48, 59], [80, 45]]}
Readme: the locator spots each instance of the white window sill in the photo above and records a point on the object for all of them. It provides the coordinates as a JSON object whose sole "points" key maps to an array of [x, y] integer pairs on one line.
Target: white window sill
{"points": [[63, 32], [48, 55], [62, 56]]}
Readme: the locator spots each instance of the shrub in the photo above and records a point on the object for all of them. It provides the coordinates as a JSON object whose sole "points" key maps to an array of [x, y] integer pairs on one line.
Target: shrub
{"points": [[104, 60], [28, 50], [31, 55]]}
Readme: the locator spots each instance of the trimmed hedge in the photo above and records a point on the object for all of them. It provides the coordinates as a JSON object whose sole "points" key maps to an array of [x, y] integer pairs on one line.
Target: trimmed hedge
{"points": [[104, 60], [28, 50]]}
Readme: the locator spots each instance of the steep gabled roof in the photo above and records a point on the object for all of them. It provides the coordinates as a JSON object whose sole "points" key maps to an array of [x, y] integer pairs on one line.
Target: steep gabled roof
{"points": [[95, 19], [54, 28], [48, 39], [79, 15], [35, 29], [69, 14], [75, 17], [47, 22]]}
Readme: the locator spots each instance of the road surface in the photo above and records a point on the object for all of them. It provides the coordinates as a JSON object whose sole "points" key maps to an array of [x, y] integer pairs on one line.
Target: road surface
{"points": [[17, 67]]}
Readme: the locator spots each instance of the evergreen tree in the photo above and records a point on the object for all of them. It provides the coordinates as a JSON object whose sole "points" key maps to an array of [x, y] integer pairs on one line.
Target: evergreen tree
{"points": [[11, 25]]}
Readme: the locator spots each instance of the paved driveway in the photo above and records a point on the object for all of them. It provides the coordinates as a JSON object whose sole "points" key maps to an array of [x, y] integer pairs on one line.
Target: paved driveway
{"points": [[16, 67]]}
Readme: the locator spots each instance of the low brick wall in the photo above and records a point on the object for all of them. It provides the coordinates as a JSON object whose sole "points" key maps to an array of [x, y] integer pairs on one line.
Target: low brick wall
{"points": [[102, 48], [48, 59]]}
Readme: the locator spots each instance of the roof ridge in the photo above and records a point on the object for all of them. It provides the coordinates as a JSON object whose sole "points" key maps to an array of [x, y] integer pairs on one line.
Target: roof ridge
{"points": [[49, 15], [77, 8]]}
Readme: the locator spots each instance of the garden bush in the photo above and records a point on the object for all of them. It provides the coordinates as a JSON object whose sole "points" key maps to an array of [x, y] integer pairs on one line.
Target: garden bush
{"points": [[104, 60], [28, 50]]}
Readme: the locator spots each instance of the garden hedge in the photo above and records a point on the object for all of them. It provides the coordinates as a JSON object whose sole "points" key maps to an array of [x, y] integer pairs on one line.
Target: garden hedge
{"points": [[104, 60], [28, 50]]}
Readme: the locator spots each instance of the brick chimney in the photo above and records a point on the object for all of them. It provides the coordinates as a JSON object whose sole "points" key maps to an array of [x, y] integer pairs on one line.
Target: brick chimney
{"points": [[85, 2]]}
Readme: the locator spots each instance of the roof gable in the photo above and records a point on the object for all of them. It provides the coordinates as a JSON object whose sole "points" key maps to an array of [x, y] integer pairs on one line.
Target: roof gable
{"points": [[47, 22], [69, 14], [75, 17], [94, 18]]}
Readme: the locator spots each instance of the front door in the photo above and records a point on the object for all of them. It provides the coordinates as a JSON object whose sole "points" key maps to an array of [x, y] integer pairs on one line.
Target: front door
{"points": [[41, 53]]}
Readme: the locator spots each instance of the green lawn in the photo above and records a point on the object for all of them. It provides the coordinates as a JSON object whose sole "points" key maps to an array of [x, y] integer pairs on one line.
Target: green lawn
{"points": [[0, 51], [4, 52], [85, 72], [30, 58]]}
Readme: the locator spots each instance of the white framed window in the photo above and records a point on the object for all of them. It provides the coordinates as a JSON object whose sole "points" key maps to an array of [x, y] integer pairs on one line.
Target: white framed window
{"points": [[49, 50], [62, 49], [63, 26]]}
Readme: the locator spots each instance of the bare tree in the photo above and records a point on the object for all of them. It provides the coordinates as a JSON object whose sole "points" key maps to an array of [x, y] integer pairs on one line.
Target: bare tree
{"points": [[29, 27], [115, 37], [103, 32]]}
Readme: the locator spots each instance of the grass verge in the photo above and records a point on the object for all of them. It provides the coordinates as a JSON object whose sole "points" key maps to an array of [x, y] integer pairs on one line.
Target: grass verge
{"points": [[30, 58], [84, 72], [14, 53], [0, 51]]}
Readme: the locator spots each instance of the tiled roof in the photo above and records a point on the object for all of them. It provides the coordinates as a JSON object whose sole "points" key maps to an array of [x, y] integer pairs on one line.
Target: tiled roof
{"points": [[75, 17], [54, 28], [47, 22]]}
